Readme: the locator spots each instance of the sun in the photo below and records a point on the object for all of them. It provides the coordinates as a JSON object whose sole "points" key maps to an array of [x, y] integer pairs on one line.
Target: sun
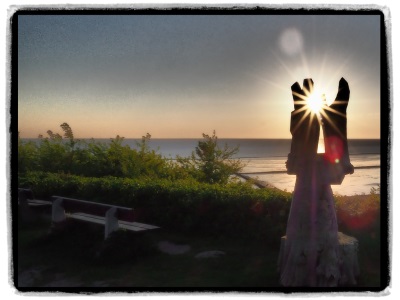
{"points": [[311, 99], [315, 102]]}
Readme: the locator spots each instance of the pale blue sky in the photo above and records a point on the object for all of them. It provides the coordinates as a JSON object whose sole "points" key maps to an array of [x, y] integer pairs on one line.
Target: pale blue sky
{"points": [[180, 76]]}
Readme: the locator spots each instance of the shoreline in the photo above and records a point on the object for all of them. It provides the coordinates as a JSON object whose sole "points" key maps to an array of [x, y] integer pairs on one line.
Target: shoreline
{"points": [[261, 184], [344, 190], [283, 172]]}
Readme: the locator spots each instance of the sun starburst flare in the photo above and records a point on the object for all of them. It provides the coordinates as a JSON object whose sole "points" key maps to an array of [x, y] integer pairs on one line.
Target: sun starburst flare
{"points": [[312, 101]]}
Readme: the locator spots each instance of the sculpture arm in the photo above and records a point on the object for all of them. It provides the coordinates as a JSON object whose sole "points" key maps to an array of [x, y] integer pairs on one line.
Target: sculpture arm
{"points": [[334, 126], [304, 127]]}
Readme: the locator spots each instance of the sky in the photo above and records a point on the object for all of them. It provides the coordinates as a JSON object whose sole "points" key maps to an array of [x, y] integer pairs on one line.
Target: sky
{"points": [[178, 76], [280, 85]]}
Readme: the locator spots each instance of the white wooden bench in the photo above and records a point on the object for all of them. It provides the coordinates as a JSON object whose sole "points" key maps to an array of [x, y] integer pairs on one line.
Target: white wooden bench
{"points": [[112, 217]]}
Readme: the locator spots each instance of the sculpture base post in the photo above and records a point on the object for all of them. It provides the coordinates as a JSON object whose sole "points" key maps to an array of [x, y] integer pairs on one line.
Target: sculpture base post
{"points": [[348, 259], [349, 268]]}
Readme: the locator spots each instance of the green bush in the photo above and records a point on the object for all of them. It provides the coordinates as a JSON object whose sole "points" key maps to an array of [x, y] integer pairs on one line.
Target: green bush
{"points": [[27, 156], [211, 164], [360, 216], [186, 205], [183, 205], [56, 153]]}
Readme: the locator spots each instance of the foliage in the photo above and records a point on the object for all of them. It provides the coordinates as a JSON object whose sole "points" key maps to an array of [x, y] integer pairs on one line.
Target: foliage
{"points": [[68, 134], [27, 155], [359, 208], [184, 205], [210, 163], [65, 154], [360, 216]]}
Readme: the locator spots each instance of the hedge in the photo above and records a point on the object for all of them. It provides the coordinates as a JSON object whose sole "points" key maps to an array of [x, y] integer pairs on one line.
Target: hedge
{"points": [[185, 205], [189, 206]]}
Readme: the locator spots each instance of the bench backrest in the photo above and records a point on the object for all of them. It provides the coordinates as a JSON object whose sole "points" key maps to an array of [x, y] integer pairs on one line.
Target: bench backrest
{"points": [[95, 208], [26, 193]]}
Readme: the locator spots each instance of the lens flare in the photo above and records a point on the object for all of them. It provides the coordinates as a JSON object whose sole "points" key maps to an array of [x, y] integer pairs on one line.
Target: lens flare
{"points": [[334, 150], [291, 41]]}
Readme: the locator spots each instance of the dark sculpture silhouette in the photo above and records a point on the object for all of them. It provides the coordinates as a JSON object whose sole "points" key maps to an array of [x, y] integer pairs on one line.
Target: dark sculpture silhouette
{"points": [[334, 124], [304, 127], [312, 252]]}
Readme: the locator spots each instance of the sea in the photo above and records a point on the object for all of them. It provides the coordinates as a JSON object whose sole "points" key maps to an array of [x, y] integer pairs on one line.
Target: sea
{"points": [[265, 159]]}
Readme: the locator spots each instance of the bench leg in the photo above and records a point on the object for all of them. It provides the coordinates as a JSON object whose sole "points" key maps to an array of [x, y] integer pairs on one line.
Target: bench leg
{"points": [[24, 211], [111, 222], [57, 211]]}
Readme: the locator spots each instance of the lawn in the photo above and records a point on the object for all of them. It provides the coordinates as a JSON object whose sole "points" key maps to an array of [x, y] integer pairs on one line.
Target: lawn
{"points": [[78, 258]]}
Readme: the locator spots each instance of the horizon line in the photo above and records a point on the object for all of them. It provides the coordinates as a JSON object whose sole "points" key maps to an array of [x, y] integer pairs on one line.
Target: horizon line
{"points": [[193, 138]]}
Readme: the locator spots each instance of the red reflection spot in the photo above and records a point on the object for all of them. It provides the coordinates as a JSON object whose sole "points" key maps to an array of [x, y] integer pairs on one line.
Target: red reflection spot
{"points": [[358, 221], [333, 149], [257, 208]]}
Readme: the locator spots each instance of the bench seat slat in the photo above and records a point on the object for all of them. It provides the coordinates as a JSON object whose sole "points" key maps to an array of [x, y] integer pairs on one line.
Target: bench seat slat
{"points": [[94, 208], [87, 219], [131, 227], [90, 203], [141, 225], [123, 223], [100, 220], [36, 202], [134, 226]]}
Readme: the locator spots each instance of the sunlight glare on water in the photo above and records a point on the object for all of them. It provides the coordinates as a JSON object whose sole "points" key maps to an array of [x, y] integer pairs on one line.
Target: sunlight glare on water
{"points": [[321, 141], [321, 144]]}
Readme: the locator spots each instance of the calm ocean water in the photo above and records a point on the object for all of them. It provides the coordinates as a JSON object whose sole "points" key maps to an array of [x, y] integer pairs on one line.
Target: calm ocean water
{"points": [[266, 158], [250, 148]]}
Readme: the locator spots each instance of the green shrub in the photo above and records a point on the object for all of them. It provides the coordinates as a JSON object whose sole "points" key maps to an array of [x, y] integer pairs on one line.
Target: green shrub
{"points": [[27, 156], [184, 205], [360, 216], [56, 153], [211, 164]]}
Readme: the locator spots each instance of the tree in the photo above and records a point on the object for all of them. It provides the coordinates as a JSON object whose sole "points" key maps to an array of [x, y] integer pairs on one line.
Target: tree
{"points": [[68, 134], [210, 163], [53, 154]]}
